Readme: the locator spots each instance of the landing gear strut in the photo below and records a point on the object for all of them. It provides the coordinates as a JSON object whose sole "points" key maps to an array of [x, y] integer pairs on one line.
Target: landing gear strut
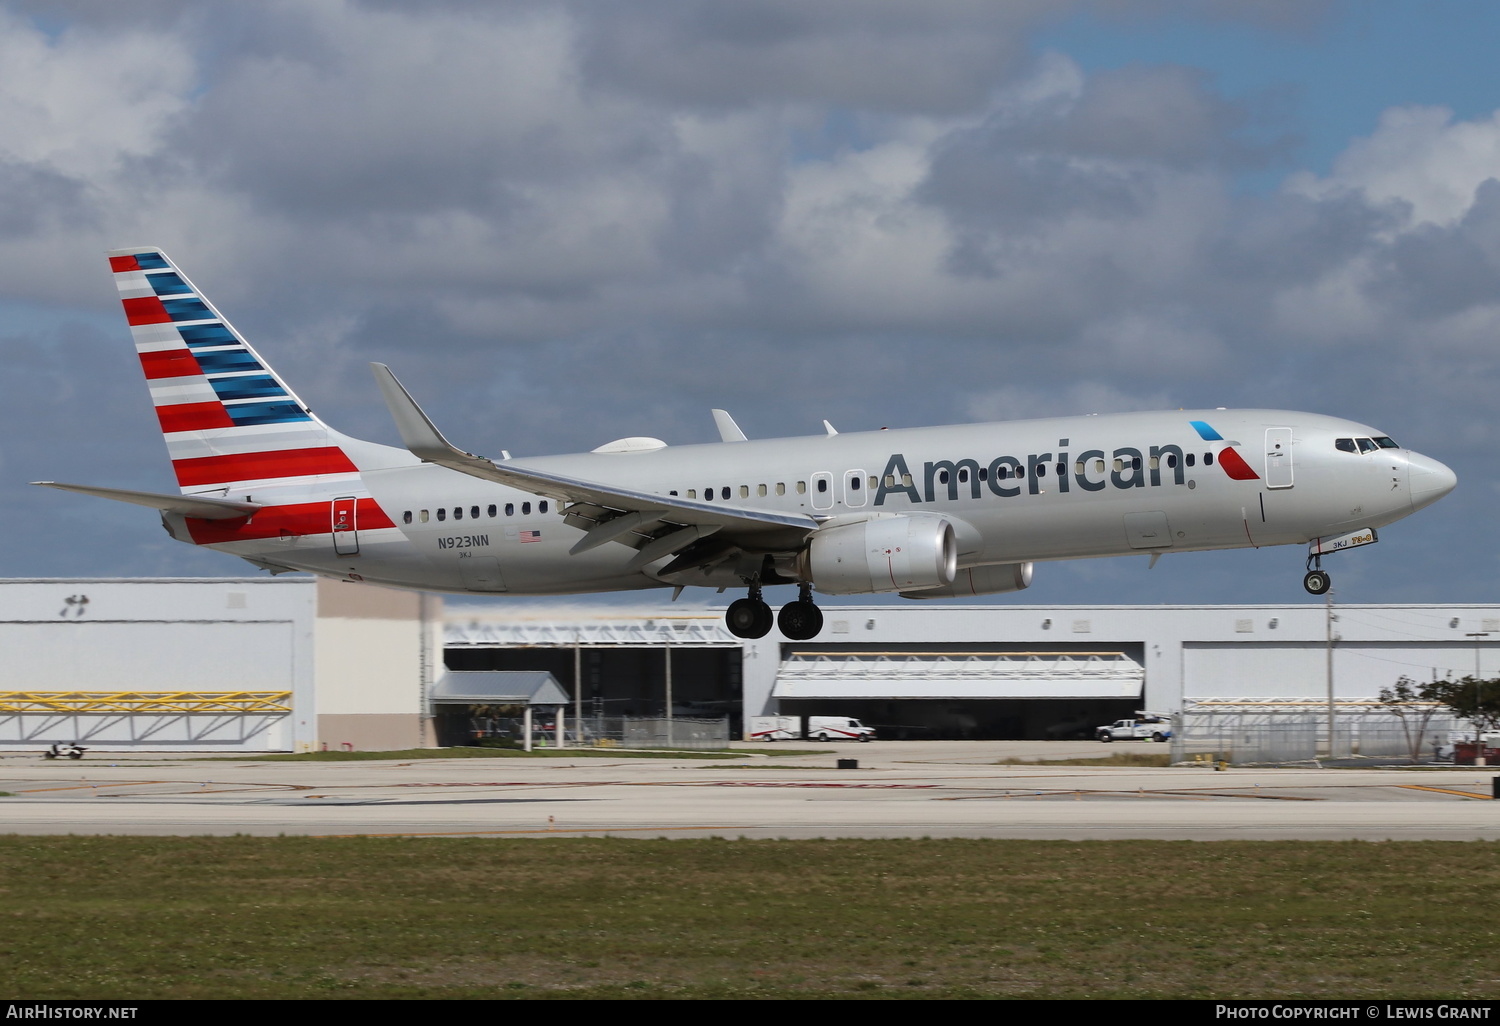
{"points": [[1316, 580], [749, 617], [801, 620]]}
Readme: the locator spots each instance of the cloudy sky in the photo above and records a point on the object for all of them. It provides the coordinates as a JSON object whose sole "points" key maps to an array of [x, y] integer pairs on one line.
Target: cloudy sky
{"points": [[565, 222]]}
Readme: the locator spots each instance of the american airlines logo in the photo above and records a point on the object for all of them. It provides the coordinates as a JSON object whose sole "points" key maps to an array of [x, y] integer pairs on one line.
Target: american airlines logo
{"points": [[1092, 470]]}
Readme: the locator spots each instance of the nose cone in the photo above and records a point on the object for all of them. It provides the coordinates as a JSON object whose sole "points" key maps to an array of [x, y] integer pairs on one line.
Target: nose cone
{"points": [[1429, 480]]}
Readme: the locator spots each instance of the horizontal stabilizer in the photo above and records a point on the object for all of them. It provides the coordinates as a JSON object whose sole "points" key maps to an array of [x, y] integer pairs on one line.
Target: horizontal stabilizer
{"points": [[201, 507]]}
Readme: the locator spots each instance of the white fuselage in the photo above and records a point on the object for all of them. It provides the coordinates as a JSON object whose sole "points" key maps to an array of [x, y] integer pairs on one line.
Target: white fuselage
{"points": [[1063, 488]]}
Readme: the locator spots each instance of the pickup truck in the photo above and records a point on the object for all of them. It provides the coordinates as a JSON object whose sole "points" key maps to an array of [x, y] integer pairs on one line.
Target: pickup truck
{"points": [[1152, 728]]}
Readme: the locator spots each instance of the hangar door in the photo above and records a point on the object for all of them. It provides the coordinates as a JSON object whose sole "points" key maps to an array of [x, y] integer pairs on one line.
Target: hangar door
{"points": [[964, 694], [213, 683], [1299, 670]]}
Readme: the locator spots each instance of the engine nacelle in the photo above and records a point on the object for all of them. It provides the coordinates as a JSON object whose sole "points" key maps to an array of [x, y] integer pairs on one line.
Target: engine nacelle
{"points": [[898, 553], [980, 580]]}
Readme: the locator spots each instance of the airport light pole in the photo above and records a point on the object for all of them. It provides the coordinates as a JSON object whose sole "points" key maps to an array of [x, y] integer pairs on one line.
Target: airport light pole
{"points": [[1478, 733], [1328, 619]]}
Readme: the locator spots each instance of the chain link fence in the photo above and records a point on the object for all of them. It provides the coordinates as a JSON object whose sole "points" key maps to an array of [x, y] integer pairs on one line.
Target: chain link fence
{"points": [[1256, 733]]}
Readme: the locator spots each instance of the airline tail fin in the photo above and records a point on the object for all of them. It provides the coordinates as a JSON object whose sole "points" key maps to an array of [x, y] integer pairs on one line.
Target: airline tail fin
{"points": [[228, 419]]}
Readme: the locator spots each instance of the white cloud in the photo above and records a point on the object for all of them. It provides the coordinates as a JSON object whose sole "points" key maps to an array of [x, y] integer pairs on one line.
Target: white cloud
{"points": [[1417, 156]]}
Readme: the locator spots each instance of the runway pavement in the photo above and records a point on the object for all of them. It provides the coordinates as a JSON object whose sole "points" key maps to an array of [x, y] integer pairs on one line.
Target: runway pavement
{"points": [[901, 789]]}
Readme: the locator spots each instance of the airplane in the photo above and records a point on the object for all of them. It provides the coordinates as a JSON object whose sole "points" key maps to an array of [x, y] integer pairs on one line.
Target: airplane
{"points": [[925, 513]]}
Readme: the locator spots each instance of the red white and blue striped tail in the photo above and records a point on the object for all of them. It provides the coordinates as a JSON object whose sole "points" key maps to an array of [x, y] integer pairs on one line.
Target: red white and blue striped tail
{"points": [[228, 418]]}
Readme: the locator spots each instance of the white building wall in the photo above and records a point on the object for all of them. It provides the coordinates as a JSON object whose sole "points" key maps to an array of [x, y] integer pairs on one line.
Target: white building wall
{"points": [[157, 636], [373, 666]]}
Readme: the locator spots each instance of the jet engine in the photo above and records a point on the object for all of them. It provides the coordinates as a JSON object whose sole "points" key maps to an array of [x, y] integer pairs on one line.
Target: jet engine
{"points": [[980, 580], [889, 553]]}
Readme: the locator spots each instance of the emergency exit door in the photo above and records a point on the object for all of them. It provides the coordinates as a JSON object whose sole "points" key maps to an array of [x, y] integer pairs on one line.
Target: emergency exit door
{"points": [[345, 529]]}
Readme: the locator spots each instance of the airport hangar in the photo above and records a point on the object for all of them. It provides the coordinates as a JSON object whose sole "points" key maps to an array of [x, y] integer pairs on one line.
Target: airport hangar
{"points": [[262, 664]]}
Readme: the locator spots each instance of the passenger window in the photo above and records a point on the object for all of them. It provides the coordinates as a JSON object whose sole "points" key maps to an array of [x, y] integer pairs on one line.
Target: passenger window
{"points": [[1208, 459], [406, 517], [1062, 471], [1190, 459], [984, 473], [890, 480], [672, 492], [692, 493], [963, 474], [1172, 460], [760, 490], [823, 483], [744, 491], [875, 480], [724, 492], [942, 477], [442, 513], [1119, 465], [1155, 463], [708, 495], [1078, 467], [492, 511], [1344, 444], [422, 517], [801, 487], [525, 508], [510, 509], [780, 487], [1020, 472], [906, 481], [458, 512], [853, 484], [541, 507], [473, 512], [1041, 470], [1098, 466]]}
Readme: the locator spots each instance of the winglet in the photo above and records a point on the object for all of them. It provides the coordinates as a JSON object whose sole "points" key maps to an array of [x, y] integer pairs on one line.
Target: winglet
{"points": [[729, 431], [830, 428], [418, 432]]}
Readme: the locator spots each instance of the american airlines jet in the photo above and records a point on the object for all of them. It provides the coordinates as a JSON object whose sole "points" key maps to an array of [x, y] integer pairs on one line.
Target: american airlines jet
{"points": [[938, 512]]}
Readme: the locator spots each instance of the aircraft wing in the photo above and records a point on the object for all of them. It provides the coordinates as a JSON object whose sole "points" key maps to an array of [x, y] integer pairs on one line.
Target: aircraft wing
{"points": [[202, 507], [697, 519]]}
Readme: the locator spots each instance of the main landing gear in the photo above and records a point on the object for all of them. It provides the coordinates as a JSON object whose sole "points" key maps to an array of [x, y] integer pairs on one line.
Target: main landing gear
{"points": [[750, 617], [1316, 580]]}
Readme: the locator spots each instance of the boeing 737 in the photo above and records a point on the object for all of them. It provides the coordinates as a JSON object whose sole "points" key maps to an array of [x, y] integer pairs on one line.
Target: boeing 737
{"points": [[936, 512]]}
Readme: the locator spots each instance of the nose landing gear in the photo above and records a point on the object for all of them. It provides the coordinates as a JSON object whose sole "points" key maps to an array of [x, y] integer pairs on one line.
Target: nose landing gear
{"points": [[1316, 580]]}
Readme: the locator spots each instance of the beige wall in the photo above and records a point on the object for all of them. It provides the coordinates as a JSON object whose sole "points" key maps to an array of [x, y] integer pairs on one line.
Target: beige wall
{"points": [[376, 653]]}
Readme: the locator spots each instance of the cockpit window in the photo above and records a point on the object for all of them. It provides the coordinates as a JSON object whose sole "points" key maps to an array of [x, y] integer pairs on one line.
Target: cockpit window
{"points": [[1344, 445], [1386, 443], [1366, 444]]}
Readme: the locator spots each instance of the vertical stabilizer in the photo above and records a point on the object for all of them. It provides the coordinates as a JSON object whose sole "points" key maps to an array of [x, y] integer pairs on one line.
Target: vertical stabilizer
{"points": [[227, 417]]}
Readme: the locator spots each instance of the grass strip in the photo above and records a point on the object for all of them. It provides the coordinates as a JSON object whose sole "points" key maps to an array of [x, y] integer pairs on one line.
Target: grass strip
{"points": [[293, 917]]}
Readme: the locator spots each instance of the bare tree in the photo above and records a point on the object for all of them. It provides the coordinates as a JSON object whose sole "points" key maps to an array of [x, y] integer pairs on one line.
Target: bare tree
{"points": [[1414, 705]]}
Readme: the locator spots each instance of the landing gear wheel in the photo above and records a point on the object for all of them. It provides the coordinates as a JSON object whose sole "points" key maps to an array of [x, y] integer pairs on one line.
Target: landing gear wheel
{"points": [[1317, 582], [749, 618], [800, 620]]}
